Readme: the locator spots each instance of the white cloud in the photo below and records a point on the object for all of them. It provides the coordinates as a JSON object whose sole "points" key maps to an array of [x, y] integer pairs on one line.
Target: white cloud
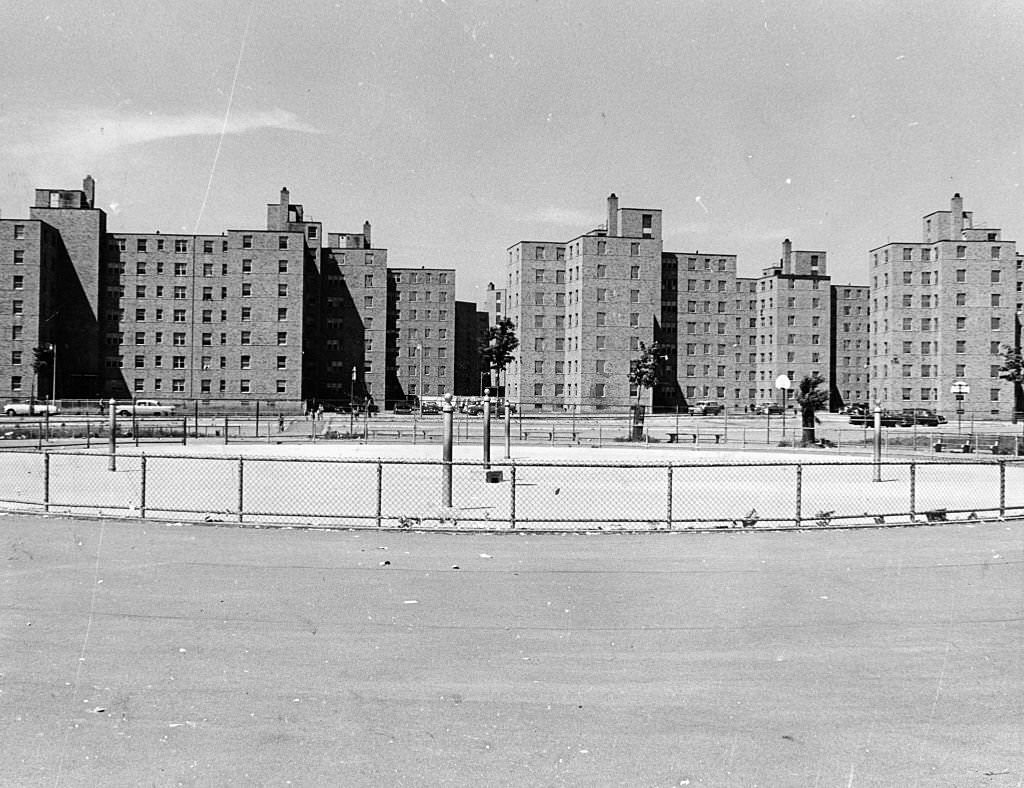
{"points": [[95, 134]]}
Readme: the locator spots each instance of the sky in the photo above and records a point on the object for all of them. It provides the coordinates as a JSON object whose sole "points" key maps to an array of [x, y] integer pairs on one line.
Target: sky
{"points": [[458, 128]]}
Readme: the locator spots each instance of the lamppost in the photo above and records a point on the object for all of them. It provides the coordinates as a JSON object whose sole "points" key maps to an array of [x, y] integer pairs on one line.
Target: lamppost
{"points": [[419, 387], [53, 372], [352, 402]]}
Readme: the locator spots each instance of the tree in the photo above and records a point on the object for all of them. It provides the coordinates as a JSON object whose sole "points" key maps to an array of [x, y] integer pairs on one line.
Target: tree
{"points": [[1012, 370], [499, 344], [811, 398], [644, 371]]}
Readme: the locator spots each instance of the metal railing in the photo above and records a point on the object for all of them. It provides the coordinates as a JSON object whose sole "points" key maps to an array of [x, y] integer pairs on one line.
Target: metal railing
{"points": [[385, 493]]}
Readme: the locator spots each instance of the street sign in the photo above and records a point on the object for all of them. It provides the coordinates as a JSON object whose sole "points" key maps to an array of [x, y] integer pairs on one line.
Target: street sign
{"points": [[783, 382]]}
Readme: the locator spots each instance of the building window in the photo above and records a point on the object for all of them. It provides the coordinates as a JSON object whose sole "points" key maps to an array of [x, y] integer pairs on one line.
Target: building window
{"points": [[18, 283], [599, 389], [282, 242], [600, 318], [178, 362], [246, 338], [961, 274], [19, 256], [244, 386], [368, 302], [995, 252], [634, 319], [961, 251], [246, 289], [19, 232], [995, 323], [282, 313], [634, 250], [247, 242], [180, 246], [634, 297], [179, 316], [282, 338], [282, 290], [180, 293], [178, 339], [997, 275]]}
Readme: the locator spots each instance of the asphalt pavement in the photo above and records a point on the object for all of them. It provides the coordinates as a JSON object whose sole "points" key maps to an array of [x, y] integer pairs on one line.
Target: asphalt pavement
{"points": [[156, 654]]}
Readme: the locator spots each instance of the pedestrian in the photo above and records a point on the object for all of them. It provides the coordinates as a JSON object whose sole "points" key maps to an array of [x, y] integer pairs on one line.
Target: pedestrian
{"points": [[280, 423], [319, 412]]}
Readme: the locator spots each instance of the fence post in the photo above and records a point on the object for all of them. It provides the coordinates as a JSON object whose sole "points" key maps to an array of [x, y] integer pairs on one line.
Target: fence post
{"points": [[196, 417], [184, 431], [799, 492], [1002, 488], [241, 487], [446, 453], [88, 434], [380, 491], [46, 481], [512, 502], [39, 436], [668, 518], [112, 440], [508, 429], [142, 485], [913, 491], [225, 430]]}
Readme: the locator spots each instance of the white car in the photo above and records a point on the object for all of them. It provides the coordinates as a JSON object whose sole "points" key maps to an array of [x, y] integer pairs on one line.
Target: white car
{"points": [[37, 409], [144, 407]]}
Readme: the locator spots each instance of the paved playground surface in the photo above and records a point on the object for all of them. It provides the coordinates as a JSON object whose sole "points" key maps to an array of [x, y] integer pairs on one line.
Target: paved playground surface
{"points": [[555, 490], [145, 653]]}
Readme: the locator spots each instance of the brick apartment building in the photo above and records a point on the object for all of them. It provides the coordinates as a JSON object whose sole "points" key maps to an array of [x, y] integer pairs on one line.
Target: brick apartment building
{"points": [[941, 309], [281, 314]]}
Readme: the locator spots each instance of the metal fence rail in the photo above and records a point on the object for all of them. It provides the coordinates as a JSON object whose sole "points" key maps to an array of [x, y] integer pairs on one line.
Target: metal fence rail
{"points": [[386, 493]]}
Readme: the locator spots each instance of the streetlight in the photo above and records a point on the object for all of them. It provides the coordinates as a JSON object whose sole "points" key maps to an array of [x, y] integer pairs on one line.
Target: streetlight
{"points": [[53, 372], [352, 402], [419, 388]]}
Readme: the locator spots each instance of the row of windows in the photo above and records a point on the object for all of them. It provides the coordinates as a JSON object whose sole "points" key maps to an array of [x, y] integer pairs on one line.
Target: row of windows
{"points": [[181, 245], [426, 295], [179, 338], [205, 362], [931, 278], [427, 314], [420, 277], [930, 254], [414, 371], [143, 268]]}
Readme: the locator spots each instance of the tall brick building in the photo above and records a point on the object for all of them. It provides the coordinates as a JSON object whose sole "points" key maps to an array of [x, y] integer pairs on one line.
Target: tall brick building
{"points": [[941, 308], [280, 314]]}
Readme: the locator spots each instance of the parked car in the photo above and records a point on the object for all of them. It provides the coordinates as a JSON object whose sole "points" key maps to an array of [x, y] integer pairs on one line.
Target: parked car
{"points": [[705, 408], [768, 409], [473, 409], [854, 408], [402, 408], [889, 418], [922, 416], [144, 407], [23, 408], [430, 408]]}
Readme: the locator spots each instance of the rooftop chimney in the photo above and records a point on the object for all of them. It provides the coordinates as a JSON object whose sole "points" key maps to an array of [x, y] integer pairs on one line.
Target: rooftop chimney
{"points": [[613, 214], [956, 207], [89, 187], [787, 256], [366, 236]]}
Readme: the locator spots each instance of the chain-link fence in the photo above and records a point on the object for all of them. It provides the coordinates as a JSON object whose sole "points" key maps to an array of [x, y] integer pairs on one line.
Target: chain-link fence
{"points": [[526, 495]]}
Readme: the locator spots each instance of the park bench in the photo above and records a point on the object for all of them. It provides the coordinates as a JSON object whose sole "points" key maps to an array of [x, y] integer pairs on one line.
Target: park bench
{"points": [[674, 437]]}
